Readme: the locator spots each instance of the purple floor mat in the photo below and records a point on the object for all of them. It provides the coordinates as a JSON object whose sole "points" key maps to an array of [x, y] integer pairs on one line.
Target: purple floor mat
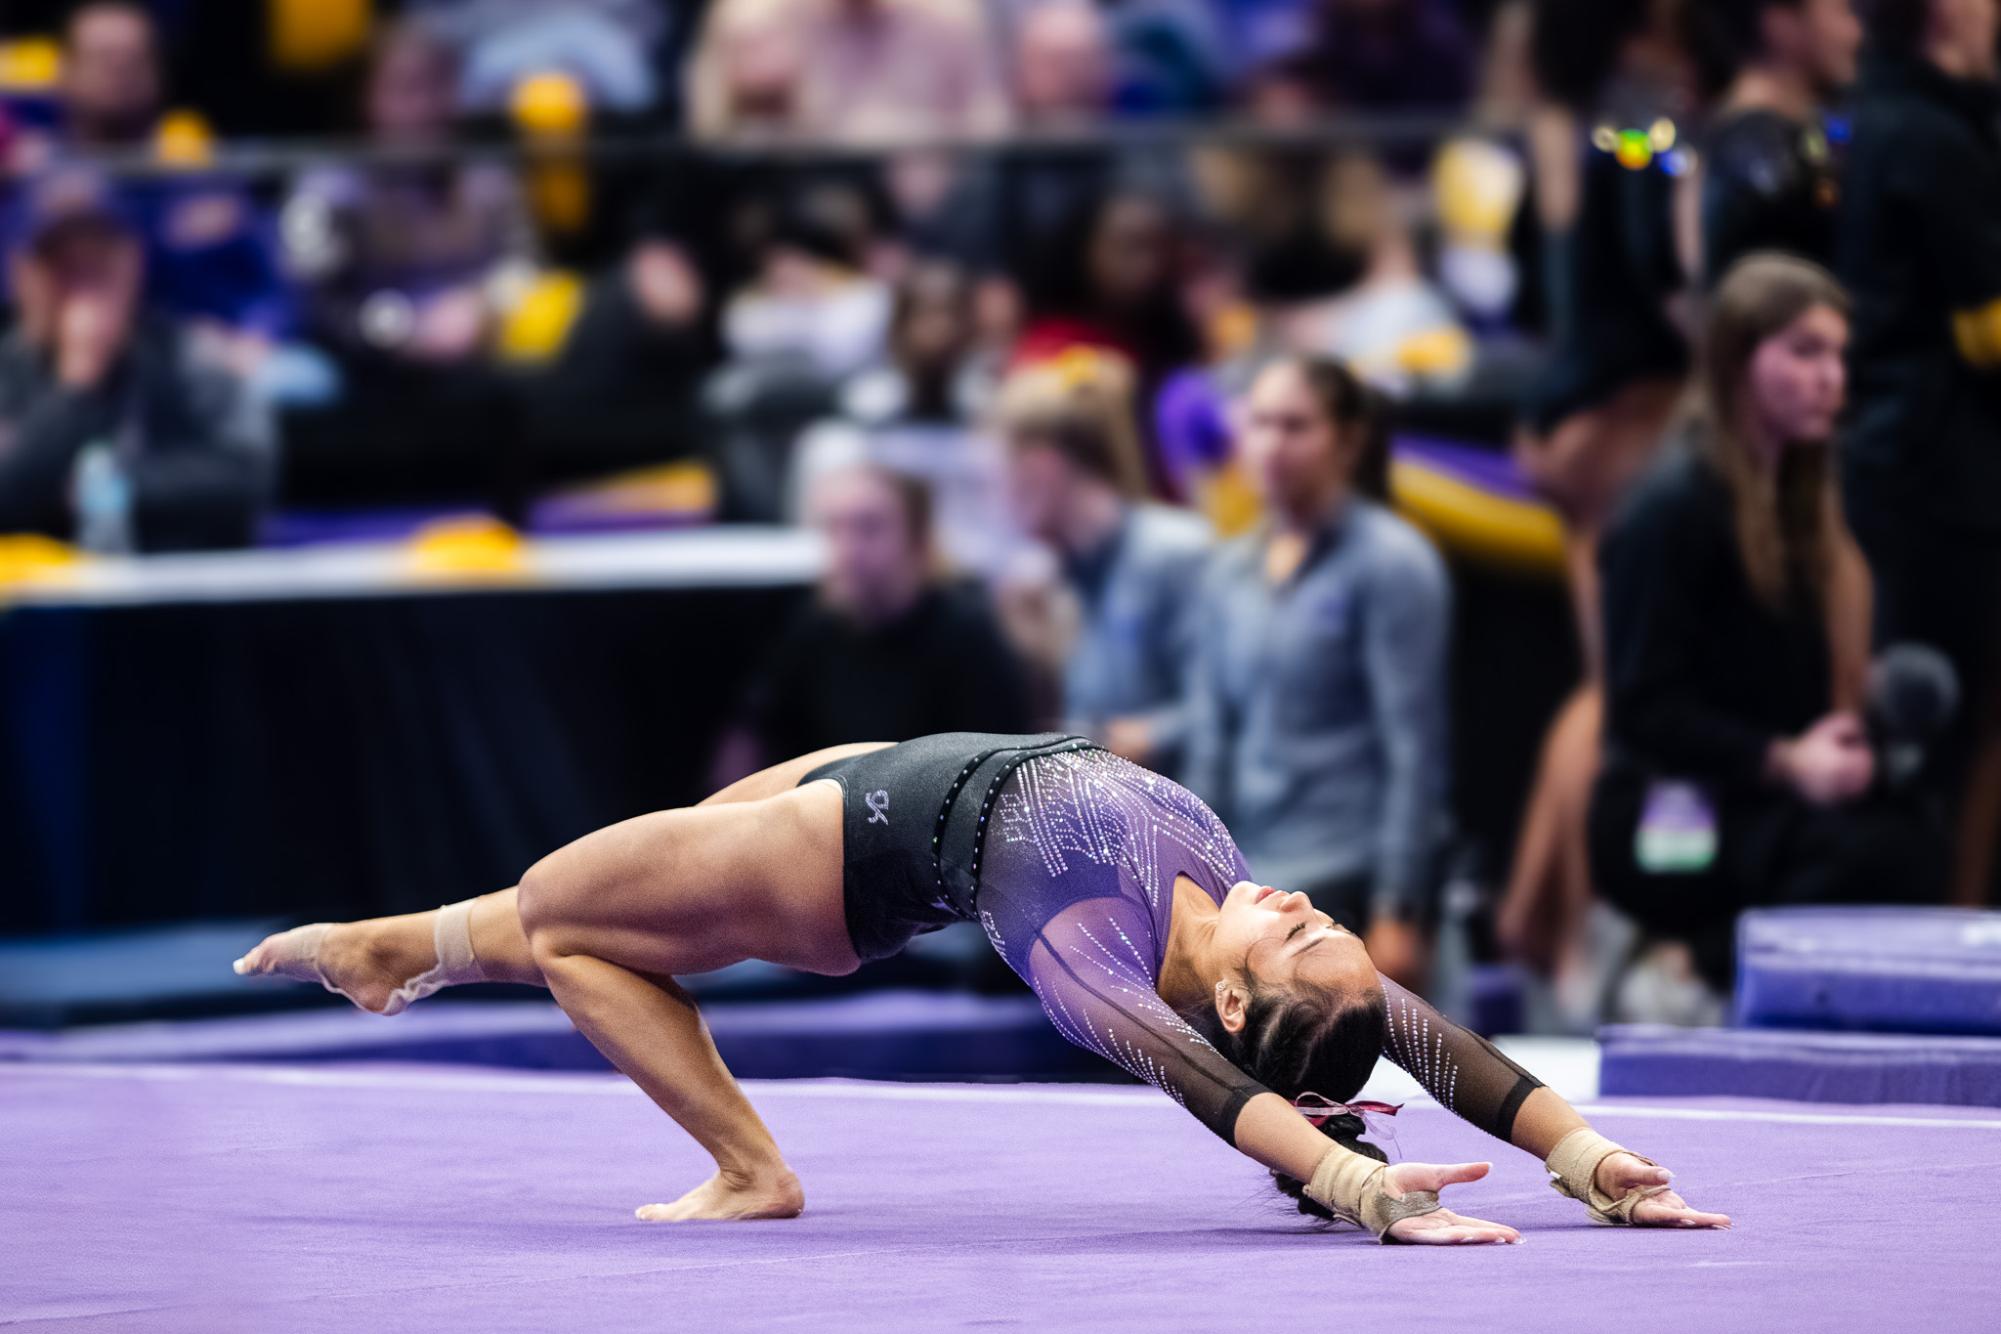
{"points": [[1881, 970], [1645, 1060], [409, 1198]]}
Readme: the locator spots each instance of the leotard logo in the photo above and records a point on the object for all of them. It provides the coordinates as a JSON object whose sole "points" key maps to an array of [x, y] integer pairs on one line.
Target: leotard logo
{"points": [[878, 806]]}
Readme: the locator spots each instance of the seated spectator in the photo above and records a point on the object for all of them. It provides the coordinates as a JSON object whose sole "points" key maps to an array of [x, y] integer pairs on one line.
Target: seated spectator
{"points": [[919, 415], [1005, 215], [1061, 66], [608, 47], [113, 434], [811, 299], [848, 71], [1171, 57], [888, 651], [1768, 177], [1737, 768], [397, 259], [209, 252], [1113, 280], [935, 374], [1392, 326], [1075, 478], [1317, 725]]}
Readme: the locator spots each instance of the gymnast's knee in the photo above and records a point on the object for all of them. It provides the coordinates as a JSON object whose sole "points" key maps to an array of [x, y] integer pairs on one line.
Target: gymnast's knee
{"points": [[539, 901]]}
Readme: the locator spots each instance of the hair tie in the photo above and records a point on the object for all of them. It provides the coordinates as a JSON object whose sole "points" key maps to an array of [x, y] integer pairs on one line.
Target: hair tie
{"points": [[1322, 1108]]}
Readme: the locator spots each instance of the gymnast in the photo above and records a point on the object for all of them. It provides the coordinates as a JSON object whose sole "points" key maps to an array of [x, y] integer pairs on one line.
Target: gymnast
{"points": [[1117, 895]]}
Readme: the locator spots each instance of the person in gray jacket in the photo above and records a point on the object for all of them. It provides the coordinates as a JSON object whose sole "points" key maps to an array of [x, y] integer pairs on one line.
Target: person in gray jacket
{"points": [[1318, 708], [1075, 480], [113, 433]]}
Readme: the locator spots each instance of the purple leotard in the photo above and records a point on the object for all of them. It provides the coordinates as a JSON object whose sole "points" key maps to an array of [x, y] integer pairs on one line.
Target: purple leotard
{"points": [[1066, 856]]}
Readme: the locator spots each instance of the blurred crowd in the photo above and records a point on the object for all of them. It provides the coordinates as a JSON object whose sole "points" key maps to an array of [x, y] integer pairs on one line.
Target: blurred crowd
{"points": [[1083, 330]]}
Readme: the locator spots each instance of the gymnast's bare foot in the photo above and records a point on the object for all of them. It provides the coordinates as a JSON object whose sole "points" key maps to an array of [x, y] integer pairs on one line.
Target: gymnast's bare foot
{"points": [[363, 961], [776, 1196]]}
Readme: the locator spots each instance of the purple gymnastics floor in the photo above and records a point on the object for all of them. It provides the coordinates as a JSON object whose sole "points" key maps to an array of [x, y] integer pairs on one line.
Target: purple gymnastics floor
{"points": [[271, 1197]]}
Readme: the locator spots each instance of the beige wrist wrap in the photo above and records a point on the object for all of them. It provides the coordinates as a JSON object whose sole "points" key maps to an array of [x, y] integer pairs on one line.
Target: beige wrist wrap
{"points": [[1353, 1187], [1573, 1171]]}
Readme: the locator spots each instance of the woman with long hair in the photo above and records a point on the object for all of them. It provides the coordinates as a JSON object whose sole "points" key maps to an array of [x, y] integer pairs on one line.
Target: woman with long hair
{"points": [[1737, 765], [1118, 896]]}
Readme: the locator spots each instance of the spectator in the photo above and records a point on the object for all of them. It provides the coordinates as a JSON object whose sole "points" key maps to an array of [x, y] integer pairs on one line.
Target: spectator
{"points": [[1768, 175], [112, 434], [209, 256], [1006, 216], [1920, 248], [849, 71], [112, 83], [1615, 85], [935, 374], [1170, 57], [398, 258], [1075, 479], [1393, 55], [1318, 705], [1737, 770], [1062, 66], [1112, 280], [916, 416], [811, 298], [888, 651], [607, 47], [1391, 325]]}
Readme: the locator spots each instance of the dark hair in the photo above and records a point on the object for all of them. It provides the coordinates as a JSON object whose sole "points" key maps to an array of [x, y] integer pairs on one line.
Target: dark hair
{"points": [[1723, 35], [1350, 404], [1304, 1038], [1896, 27], [1574, 45]]}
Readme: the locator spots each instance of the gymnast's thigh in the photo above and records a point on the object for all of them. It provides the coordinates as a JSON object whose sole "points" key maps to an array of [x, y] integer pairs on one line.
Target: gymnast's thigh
{"points": [[780, 777], [698, 888]]}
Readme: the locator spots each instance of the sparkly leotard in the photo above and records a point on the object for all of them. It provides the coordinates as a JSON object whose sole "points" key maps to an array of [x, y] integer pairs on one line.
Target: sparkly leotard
{"points": [[1066, 856]]}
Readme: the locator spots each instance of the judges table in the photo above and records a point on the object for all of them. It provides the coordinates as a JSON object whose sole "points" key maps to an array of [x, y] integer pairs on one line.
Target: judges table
{"points": [[357, 730]]}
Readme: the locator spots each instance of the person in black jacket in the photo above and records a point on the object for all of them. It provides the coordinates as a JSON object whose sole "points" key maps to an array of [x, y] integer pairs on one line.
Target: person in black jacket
{"points": [[889, 649], [1769, 166], [1920, 247], [113, 433], [1738, 768], [1615, 86]]}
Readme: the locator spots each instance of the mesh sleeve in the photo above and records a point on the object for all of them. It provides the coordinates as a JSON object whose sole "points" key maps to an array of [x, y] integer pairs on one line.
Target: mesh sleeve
{"points": [[1466, 1073], [1095, 982]]}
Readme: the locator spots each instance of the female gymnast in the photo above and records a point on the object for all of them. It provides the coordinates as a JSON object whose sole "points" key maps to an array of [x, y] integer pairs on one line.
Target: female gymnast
{"points": [[1116, 894]]}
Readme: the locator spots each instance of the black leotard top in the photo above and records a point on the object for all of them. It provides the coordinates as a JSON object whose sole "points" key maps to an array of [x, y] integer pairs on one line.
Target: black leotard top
{"points": [[1066, 856]]}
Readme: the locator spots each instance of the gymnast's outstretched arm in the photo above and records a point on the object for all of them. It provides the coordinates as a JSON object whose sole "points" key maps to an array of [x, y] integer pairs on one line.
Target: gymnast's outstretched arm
{"points": [[1097, 990], [1471, 1078]]}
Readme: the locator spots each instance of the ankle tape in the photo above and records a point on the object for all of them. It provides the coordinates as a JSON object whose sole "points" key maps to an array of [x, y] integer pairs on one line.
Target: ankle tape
{"points": [[451, 933], [1353, 1187]]}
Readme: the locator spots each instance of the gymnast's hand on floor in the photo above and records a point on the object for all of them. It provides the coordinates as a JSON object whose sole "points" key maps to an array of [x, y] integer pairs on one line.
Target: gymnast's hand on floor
{"points": [[1623, 1172], [1441, 1227]]}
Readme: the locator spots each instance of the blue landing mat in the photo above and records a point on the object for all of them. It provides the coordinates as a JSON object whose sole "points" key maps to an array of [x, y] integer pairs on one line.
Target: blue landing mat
{"points": [[181, 971], [897, 1034], [1646, 1059], [1880, 970]]}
